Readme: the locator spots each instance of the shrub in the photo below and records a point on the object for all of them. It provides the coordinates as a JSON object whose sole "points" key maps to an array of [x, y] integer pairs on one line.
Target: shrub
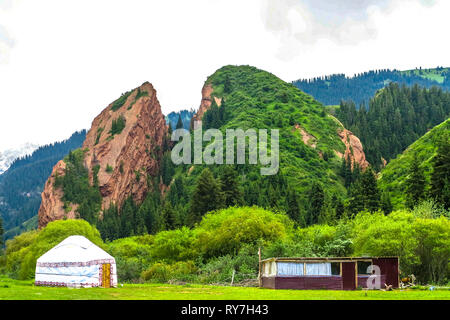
{"points": [[226, 231], [174, 245], [121, 101], [162, 272], [117, 125], [133, 255]]}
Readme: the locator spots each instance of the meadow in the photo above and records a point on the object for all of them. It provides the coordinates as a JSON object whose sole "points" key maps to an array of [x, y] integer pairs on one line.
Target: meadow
{"points": [[25, 290]]}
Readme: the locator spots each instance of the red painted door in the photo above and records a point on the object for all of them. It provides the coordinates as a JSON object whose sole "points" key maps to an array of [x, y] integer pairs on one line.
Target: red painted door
{"points": [[349, 275]]}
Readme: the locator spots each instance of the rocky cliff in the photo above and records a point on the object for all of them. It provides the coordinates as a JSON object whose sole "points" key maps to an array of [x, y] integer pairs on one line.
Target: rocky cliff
{"points": [[124, 144], [354, 148], [206, 102]]}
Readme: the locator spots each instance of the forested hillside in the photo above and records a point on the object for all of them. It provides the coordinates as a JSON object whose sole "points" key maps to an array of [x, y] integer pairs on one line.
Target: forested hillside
{"points": [[310, 185], [412, 177], [332, 89], [21, 185], [395, 118]]}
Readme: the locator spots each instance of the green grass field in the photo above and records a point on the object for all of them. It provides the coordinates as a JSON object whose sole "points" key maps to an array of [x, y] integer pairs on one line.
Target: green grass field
{"points": [[25, 290]]}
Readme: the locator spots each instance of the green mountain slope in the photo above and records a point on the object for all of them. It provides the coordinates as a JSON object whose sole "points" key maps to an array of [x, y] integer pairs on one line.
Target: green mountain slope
{"points": [[257, 99], [392, 178], [309, 142]]}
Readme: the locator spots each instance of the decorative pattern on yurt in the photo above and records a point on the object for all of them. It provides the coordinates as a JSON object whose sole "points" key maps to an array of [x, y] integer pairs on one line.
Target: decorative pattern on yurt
{"points": [[76, 262]]}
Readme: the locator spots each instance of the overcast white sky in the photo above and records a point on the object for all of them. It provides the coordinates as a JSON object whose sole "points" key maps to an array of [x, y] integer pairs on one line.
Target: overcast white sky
{"points": [[63, 61]]}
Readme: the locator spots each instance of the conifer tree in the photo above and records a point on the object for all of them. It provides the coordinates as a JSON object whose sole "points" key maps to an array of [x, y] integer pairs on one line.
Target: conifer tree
{"points": [[293, 209], [386, 204], [127, 223], [440, 177], [370, 191], [365, 194], [179, 123], [140, 226], [415, 184], [168, 216], [207, 196], [317, 201], [231, 189]]}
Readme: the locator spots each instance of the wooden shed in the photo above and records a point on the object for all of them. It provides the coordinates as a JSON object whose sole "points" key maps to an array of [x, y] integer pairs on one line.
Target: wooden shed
{"points": [[346, 273]]}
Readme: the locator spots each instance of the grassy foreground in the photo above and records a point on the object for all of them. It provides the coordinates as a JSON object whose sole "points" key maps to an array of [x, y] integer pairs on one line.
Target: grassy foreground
{"points": [[25, 290]]}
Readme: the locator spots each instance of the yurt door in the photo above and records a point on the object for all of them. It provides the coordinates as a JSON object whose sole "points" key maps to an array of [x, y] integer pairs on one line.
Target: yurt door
{"points": [[106, 275]]}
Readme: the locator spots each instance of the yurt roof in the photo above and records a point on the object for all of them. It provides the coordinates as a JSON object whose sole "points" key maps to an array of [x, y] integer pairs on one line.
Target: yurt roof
{"points": [[74, 249]]}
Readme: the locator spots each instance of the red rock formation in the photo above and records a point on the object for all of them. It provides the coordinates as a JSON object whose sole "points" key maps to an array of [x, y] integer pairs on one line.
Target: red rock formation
{"points": [[133, 154], [206, 102], [52, 207], [354, 148]]}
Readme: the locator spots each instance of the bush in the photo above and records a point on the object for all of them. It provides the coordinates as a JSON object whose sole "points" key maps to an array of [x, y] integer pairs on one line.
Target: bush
{"points": [[162, 272], [226, 231], [220, 270], [174, 245], [422, 244], [133, 255]]}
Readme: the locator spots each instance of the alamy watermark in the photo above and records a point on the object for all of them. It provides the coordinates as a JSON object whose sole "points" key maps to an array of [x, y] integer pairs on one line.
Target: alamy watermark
{"points": [[374, 280], [258, 149]]}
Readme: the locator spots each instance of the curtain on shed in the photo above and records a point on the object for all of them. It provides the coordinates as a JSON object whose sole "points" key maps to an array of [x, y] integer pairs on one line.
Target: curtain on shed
{"points": [[318, 269], [290, 269]]}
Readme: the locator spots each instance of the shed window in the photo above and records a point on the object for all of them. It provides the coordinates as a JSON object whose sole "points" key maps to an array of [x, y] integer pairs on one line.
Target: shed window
{"points": [[362, 267], [290, 269], [318, 269], [335, 268]]}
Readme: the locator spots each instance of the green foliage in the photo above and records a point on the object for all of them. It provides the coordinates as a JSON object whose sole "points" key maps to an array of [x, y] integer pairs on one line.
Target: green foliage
{"points": [[423, 245], [440, 177], [121, 101], [394, 176], [397, 117], [231, 189], [220, 269], [178, 271], [133, 256], [365, 193], [415, 184], [139, 94], [207, 196], [23, 251], [109, 169], [317, 197], [77, 189], [174, 245], [332, 89], [117, 125], [21, 185], [252, 98], [225, 231], [99, 134]]}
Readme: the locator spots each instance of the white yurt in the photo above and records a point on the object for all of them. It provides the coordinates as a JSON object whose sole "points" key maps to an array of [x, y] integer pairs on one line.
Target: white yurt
{"points": [[76, 262]]}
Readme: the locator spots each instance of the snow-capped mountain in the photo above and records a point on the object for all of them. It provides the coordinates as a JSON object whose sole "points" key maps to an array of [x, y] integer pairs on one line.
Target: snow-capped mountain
{"points": [[7, 157]]}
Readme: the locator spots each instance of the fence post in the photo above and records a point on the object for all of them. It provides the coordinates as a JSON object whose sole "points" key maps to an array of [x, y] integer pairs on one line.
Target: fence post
{"points": [[232, 277], [259, 267]]}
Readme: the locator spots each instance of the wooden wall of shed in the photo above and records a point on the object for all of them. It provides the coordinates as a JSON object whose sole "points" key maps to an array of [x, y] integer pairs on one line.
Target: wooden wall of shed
{"points": [[268, 282], [309, 282], [388, 267]]}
